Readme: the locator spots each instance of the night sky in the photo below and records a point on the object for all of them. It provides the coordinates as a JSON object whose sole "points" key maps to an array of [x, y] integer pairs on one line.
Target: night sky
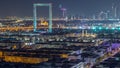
{"points": [[87, 8]]}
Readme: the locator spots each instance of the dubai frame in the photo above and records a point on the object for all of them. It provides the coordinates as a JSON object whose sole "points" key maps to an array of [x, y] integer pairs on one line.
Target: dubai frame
{"points": [[35, 15]]}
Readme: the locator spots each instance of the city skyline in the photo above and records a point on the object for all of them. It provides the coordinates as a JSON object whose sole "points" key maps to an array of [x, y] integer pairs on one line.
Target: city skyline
{"points": [[83, 8], [59, 34]]}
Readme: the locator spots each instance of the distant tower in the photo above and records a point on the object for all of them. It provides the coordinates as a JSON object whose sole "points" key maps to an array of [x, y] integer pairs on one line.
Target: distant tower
{"points": [[86, 33], [83, 34], [114, 11], [94, 17], [64, 11]]}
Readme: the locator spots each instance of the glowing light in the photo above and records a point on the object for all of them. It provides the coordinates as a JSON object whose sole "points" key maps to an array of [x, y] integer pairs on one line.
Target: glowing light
{"points": [[80, 27], [93, 28], [119, 28], [113, 28], [100, 28]]}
